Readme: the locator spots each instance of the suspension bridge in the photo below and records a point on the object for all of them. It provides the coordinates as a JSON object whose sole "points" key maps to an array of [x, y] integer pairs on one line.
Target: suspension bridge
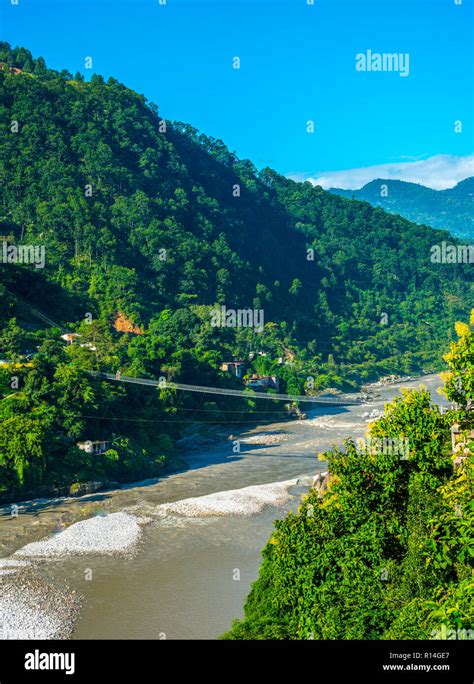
{"points": [[164, 384], [245, 394]]}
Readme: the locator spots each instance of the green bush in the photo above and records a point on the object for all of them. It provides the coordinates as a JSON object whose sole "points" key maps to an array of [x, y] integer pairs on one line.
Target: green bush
{"points": [[386, 551]]}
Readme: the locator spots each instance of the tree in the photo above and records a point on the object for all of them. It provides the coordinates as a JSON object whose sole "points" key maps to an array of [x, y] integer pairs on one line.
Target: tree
{"points": [[23, 453], [384, 550], [295, 287], [459, 380], [11, 336]]}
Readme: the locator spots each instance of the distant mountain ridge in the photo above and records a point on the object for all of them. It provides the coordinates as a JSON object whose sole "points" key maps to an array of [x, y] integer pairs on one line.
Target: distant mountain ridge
{"points": [[451, 209]]}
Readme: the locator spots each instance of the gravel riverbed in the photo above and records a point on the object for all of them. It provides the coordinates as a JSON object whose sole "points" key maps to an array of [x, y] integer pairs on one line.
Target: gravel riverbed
{"points": [[33, 609]]}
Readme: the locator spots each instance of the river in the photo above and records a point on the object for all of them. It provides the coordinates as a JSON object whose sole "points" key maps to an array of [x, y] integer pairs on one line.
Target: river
{"points": [[190, 574]]}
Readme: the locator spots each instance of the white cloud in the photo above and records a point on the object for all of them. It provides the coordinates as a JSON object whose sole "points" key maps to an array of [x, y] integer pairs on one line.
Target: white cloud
{"points": [[438, 172]]}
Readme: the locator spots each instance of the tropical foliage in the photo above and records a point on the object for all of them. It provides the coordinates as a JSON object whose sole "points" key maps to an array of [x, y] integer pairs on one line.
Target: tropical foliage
{"points": [[147, 226], [386, 552]]}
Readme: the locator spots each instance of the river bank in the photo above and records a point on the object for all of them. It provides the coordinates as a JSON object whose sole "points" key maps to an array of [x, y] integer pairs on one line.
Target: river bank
{"points": [[201, 530], [199, 435]]}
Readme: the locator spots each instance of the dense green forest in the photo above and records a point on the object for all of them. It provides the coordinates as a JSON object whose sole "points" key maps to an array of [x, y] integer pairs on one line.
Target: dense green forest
{"points": [[451, 209], [385, 552], [147, 222]]}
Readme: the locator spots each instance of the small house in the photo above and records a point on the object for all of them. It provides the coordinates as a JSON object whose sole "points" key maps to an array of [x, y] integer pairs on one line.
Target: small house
{"points": [[236, 368], [70, 337], [97, 447], [263, 382]]}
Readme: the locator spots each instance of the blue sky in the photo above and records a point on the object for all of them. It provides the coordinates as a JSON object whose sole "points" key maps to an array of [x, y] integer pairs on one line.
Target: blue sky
{"points": [[297, 64]]}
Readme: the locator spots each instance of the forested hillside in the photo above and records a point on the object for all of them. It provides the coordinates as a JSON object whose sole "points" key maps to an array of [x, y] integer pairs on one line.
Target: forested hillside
{"points": [[451, 209], [150, 224]]}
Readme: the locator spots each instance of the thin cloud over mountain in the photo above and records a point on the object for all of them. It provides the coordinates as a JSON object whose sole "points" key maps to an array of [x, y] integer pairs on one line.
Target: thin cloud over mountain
{"points": [[439, 172]]}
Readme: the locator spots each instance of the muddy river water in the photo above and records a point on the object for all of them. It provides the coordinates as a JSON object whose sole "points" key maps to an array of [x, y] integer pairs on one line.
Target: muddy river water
{"points": [[190, 574]]}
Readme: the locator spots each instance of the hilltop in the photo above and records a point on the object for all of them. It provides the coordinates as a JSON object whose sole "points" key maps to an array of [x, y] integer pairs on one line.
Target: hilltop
{"points": [[147, 227], [451, 209]]}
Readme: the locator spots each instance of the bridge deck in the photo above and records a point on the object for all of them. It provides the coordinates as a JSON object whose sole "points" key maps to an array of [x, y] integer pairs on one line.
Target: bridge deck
{"points": [[246, 394]]}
